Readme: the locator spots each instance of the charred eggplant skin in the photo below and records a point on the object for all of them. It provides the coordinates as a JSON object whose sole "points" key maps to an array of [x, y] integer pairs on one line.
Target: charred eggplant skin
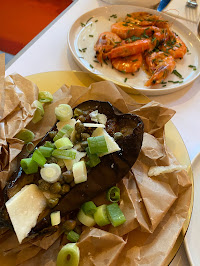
{"points": [[112, 168]]}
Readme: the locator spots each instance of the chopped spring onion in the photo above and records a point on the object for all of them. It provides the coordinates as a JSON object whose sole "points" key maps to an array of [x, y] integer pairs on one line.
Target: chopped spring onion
{"points": [[79, 172], [46, 151], [49, 144], [113, 194], [100, 216], [45, 97], [25, 135], [55, 218], [89, 208], [97, 145], [93, 159], [69, 255], [38, 157], [65, 131], [87, 220], [39, 112], [93, 125], [73, 236], [115, 214], [64, 154], [63, 143], [29, 166], [50, 172], [63, 112], [30, 147]]}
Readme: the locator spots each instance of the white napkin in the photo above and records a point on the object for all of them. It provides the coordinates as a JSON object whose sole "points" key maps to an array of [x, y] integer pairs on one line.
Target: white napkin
{"points": [[178, 8]]}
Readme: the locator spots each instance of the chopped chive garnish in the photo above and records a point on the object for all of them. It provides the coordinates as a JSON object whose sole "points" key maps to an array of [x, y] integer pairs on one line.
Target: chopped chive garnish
{"points": [[175, 72], [82, 24], [80, 50], [84, 49], [113, 194], [105, 61], [29, 166], [113, 16], [88, 20], [193, 67], [96, 20], [91, 66], [164, 85], [95, 61], [175, 82], [134, 60], [129, 15], [91, 35], [132, 74], [125, 79]]}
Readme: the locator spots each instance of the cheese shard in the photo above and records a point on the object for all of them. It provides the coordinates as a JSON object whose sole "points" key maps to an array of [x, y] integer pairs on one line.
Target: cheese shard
{"points": [[111, 144], [24, 208]]}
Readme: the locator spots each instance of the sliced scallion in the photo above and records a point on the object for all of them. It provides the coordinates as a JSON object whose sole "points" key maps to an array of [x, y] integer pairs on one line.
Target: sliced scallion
{"points": [[87, 220], [63, 112], [73, 236], [63, 143], [100, 216], [69, 255], [89, 208], [64, 154], [39, 112], [49, 144], [115, 214], [65, 131], [113, 194], [45, 97], [50, 172], [46, 151], [97, 144], [79, 172], [55, 218], [38, 157], [29, 166], [93, 159], [25, 135]]}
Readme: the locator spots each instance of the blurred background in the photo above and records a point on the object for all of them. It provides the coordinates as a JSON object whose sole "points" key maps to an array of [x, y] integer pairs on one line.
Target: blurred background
{"points": [[22, 20]]}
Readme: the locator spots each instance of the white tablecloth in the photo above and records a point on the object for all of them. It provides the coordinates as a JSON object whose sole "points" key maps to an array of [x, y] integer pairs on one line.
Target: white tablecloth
{"points": [[49, 52]]}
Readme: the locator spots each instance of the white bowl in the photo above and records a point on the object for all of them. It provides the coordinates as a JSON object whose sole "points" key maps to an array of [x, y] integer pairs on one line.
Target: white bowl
{"points": [[144, 3]]}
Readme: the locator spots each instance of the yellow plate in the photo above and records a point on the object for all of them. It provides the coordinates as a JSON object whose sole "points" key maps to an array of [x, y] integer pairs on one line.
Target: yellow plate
{"points": [[52, 81]]}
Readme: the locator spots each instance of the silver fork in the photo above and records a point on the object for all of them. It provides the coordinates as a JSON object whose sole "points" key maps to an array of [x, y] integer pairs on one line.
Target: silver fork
{"points": [[192, 3]]}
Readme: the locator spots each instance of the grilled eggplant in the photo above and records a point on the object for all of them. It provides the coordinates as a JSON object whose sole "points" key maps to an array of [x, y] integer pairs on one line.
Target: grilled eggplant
{"points": [[112, 168]]}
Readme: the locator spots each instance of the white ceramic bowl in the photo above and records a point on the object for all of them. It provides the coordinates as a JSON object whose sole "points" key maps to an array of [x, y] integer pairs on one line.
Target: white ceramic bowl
{"points": [[144, 3]]}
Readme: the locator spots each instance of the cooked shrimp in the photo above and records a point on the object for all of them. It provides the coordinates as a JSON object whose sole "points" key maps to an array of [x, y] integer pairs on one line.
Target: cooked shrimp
{"points": [[133, 48], [160, 66], [129, 64], [146, 19], [105, 42], [126, 30], [174, 46]]}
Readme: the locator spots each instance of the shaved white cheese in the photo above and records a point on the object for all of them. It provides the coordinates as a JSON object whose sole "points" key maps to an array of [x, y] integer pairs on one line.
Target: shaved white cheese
{"points": [[69, 163], [97, 117], [111, 144], [70, 122], [157, 170], [24, 208], [93, 125]]}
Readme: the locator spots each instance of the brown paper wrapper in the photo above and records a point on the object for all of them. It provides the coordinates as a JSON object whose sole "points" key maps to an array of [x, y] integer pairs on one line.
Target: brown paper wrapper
{"points": [[155, 208]]}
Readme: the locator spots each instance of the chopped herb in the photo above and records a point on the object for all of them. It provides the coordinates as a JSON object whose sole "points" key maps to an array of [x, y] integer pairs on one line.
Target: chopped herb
{"points": [[96, 20], [163, 82], [135, 38], [113, 16], [193, 67], [132, 74], [125, 24], [171, 81], [134, 60], [91, 66], [175, 72], [84, 49], [82, 24], [129, 15], [187, 50], [164, 85], [153, 39], [124, 72], [91, 35], [95, 61], [105, 62], [80, 50], [125, 79], [88, 20], [117, 42]]}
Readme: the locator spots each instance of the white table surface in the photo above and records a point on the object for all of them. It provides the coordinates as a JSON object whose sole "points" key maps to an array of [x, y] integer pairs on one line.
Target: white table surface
{"points": [[49, 52]]}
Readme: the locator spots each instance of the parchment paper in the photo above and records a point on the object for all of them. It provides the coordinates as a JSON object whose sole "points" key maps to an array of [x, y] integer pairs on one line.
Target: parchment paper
{"points": [[155, 208]]}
